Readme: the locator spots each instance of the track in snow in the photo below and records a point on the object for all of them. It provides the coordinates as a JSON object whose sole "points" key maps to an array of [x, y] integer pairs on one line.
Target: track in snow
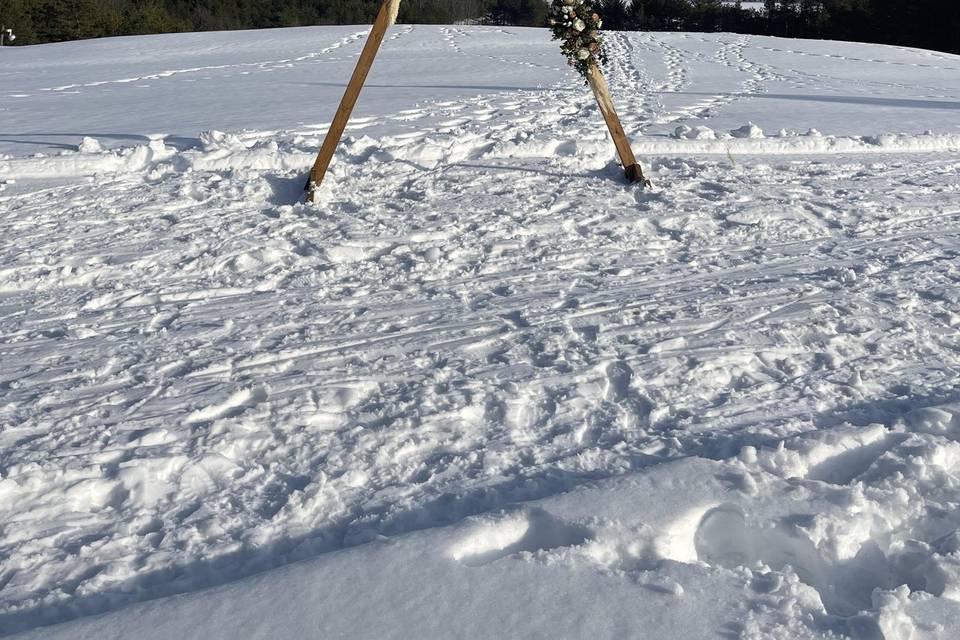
{"points": [[200, 379]]}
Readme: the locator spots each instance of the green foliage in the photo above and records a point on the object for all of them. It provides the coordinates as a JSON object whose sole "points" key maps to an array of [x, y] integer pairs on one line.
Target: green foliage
{"points": [[614, 13], [442, 12], [523, 13]]}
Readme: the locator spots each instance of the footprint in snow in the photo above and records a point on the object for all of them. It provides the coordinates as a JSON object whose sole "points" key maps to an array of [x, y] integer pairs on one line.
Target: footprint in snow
{"points": [[516, 531]]}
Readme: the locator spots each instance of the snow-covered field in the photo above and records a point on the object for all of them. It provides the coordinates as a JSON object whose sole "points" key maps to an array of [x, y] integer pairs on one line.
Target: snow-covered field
{"points": [[483, 388]]}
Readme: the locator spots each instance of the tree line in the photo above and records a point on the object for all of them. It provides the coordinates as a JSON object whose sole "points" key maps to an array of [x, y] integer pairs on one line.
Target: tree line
{"points": [[933, 24], [930, 24], [41, 21]]}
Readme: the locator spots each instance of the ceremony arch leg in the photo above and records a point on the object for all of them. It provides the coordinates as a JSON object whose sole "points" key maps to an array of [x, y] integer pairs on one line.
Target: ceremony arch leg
{"points": [[602, 92], [386, 17]]}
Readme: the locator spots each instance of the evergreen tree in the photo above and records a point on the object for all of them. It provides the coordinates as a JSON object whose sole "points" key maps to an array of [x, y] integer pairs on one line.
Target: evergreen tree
{"points": [[615, 14], [527, 13]]}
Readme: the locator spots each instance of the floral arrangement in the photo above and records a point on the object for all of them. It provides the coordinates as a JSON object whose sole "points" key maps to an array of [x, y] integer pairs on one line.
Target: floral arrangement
{"points": [[577, 26]]}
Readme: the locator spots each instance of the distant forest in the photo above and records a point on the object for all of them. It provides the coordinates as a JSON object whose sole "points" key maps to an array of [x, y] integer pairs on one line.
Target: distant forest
{"points": [[931, 24]]}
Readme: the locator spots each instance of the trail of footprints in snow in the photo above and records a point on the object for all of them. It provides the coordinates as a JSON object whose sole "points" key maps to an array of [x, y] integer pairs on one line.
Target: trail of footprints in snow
{"points": [[730, 54], [634, 79], [837, 56], [676, 79], [453, 34], [268, 65]]}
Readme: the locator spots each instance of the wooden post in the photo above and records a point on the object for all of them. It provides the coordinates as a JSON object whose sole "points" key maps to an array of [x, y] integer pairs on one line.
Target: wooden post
{"points": [[386, 17], [602, 92]]}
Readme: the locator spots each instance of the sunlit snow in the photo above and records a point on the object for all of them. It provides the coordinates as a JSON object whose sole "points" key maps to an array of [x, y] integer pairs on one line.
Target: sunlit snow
{"points": [[483, 388]]}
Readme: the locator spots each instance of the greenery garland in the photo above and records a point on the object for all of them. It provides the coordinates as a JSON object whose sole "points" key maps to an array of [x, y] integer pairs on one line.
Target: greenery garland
{"points": [[577, 25]]}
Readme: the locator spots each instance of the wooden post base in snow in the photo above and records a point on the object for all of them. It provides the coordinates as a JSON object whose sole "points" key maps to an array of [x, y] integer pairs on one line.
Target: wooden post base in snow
{"points": [[386, 17], [631, 169], [635, 174]]}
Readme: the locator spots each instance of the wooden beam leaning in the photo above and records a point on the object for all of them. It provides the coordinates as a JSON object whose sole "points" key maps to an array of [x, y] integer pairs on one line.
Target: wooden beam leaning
{"points": [[386, 17], [602, 92]]}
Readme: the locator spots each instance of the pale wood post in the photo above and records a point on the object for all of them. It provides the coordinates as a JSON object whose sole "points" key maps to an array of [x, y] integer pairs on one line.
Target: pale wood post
{"points": [[602, 92], [386, 17]]}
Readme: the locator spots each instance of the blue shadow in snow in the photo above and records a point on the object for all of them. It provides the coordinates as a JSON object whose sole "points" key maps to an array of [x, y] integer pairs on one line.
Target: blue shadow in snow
{"points": [[898, 103]]}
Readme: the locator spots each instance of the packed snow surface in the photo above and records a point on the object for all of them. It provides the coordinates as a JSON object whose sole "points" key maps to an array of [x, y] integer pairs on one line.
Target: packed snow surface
{"points": [[483, 388]]}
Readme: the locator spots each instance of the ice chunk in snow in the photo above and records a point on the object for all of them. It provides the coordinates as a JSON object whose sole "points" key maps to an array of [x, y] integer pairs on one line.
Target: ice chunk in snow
{"points": [[89, 145], [684, 132], [941, 420], [748, 130], [218, 140], [942, 577]]}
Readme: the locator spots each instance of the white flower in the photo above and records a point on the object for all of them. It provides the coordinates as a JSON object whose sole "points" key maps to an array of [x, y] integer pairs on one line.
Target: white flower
{"points": [[579, 25], [583, 54]]}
